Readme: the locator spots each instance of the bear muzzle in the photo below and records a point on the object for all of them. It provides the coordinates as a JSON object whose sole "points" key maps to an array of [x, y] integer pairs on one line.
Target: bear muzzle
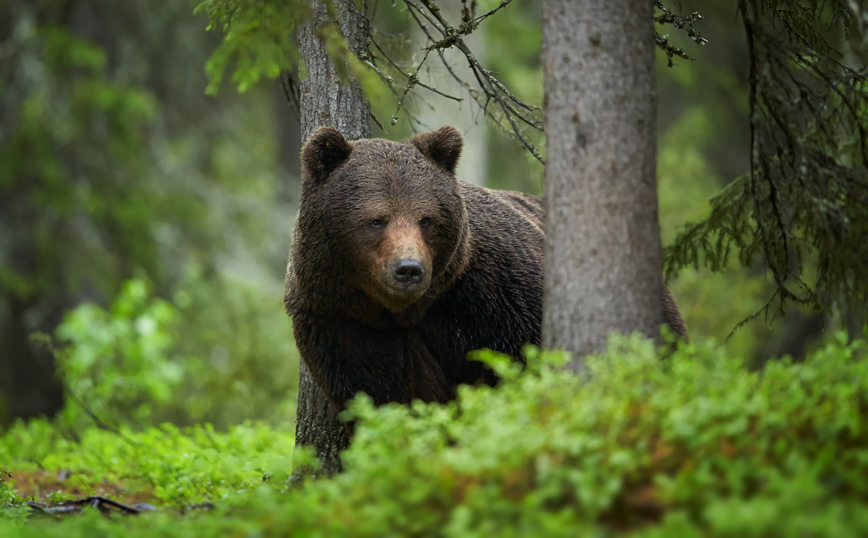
{"points": [[402, 263]]}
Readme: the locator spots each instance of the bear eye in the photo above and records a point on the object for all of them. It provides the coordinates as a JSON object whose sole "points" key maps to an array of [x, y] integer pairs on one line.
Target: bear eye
{"points": [[425, 222], [378, 223]]}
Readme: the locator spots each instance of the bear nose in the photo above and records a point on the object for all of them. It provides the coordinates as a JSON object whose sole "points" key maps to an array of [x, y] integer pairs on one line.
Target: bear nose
{"points": [[408, 271]]}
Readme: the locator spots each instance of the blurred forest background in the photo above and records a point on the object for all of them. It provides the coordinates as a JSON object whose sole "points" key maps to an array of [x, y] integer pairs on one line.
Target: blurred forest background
{"points": [[145, 222]]}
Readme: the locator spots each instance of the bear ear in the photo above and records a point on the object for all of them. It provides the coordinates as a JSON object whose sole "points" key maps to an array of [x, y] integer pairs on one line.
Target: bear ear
{"points": [[442, 146], [323, 152]]}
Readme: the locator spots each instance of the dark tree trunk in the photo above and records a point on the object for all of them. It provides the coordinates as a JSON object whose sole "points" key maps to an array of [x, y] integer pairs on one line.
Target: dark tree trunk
{"points": [[28, 387], [602, 232], [326, 102]]}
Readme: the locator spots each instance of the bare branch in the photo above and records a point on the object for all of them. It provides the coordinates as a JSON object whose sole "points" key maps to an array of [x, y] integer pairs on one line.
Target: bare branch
{"points": [[491, 88], [412, 77]]}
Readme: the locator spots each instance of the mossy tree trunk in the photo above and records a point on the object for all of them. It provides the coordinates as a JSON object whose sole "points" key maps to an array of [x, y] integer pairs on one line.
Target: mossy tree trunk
{"points": [[325, 101], [602, 232]]}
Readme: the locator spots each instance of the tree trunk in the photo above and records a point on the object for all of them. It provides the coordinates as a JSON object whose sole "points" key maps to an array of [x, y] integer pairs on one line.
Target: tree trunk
{"points": [[326, 102], [28, 386], [602, 234]]}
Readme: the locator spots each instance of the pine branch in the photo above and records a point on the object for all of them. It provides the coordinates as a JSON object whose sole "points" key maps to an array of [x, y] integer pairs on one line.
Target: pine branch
{"points": [[802, 210]]}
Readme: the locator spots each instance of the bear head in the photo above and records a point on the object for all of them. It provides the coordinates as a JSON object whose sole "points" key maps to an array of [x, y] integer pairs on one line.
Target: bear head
{"points": [[383, 218]]}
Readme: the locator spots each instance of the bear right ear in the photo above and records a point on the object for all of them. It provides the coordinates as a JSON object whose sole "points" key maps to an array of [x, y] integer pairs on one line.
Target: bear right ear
{"points": [[323, 152], [442, 146]]}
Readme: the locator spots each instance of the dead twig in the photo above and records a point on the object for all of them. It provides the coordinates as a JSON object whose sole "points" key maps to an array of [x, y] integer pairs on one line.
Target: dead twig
{"points": [[105, 505]]}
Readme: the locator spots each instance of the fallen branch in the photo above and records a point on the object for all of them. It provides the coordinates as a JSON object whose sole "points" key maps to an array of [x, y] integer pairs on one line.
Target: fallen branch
{"points": [[105, 505]]}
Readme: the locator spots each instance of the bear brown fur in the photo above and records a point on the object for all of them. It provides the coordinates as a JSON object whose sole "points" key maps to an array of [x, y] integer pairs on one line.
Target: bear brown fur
{"points": [[398, 270]]}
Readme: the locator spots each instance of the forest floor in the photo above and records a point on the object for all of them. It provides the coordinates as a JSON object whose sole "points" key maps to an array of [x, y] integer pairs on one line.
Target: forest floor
{"points": [[47, 486]]}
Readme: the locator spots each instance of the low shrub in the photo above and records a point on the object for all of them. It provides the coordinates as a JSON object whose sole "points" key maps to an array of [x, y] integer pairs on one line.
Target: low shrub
{"points": [[690, 445]]}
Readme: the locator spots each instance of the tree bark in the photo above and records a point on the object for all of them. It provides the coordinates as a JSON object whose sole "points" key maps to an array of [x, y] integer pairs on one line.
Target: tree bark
{"points": [[602, 232], [324, 101]]}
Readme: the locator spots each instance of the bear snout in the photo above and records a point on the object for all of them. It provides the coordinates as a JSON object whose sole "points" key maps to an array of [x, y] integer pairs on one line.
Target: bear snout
{"points": [[400, 264]]}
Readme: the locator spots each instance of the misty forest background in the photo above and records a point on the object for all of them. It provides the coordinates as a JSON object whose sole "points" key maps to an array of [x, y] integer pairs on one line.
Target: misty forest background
{"points": [[128, 177]]}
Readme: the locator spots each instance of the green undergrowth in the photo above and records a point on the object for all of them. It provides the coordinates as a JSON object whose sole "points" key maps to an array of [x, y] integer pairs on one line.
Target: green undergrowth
{"points": [[692, 444], [166, 466]]}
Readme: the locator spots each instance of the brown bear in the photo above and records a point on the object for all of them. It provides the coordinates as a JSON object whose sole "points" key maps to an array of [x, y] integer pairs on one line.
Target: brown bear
{"points": [[398, 270]]}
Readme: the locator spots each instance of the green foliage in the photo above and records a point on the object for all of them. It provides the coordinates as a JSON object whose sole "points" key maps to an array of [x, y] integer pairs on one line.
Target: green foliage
{"points": [[694, 436], [125, 365], [800, 210], [686, 180], [112, 161], [117, 361], [258, 39], [11, 505], [248, 363], [690, 445], [174, 466], [67, 99]]}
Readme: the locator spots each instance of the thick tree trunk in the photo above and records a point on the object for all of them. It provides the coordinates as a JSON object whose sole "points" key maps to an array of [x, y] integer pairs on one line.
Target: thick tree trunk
{"points": [[326, 102], [323, 100], [602, 232]]}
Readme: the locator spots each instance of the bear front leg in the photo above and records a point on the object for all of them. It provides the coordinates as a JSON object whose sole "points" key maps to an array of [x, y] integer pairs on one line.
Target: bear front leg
{"points": [[389, 365]]}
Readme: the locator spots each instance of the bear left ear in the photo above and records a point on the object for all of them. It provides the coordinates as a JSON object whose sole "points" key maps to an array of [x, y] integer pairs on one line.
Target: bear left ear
{"points": [[323, 152], [442, 146]]}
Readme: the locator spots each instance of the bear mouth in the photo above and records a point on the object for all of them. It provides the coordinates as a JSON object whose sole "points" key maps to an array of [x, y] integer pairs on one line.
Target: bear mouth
{"points": [[397, 297]]}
